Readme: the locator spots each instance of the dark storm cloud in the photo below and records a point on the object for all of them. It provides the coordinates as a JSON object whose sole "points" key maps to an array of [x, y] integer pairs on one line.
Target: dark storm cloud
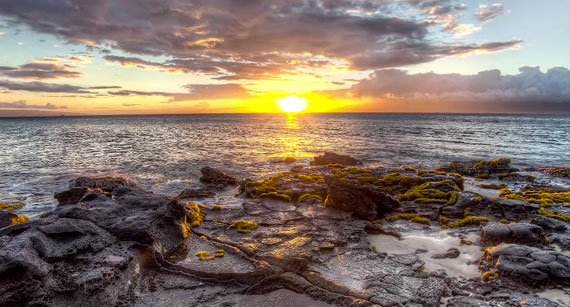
{"points": [[530, 85], [41, 71], [24, 105], [196, 92], [236, 39], [487, 13]]}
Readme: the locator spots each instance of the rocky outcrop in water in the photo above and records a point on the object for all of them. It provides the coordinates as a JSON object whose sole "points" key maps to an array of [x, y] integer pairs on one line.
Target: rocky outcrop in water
{"points": [[363, 201], [479, 167], [332, 158], [216, 177]]}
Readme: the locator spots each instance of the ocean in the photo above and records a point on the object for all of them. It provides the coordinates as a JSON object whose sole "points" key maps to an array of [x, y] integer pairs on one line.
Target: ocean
{"points": [[165, 152]]}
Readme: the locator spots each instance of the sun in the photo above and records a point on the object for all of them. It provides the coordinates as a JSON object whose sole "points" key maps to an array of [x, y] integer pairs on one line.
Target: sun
{"points": [[292, 104]]}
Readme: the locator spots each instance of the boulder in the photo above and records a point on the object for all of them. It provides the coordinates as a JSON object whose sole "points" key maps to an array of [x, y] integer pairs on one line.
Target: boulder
{"points": [[514, 210], [513, 233], [450, 253], [78, 188], [332, 158], [363, 201], [214, 176], [529, 264]]}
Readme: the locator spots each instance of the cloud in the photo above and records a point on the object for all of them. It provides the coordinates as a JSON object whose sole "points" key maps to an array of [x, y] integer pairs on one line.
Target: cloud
{"points": [[41, 71], [236, 39], [530, 89], [196, 92], [23, 105], [486, 13], [37, 86]]}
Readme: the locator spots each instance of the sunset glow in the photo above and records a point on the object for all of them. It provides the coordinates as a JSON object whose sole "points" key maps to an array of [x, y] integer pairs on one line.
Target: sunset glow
{"points": [[224, 57]]}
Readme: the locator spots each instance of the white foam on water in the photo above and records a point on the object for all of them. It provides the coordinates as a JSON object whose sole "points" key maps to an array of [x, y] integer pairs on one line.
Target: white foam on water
{"points": [[560, 296], [462, 266]]}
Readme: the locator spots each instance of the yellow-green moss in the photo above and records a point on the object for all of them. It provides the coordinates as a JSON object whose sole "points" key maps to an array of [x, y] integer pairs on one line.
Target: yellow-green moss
{"points": [[482, 176], [366, 179], [314, 177], [193, 217], [11, 206], [444, 220], [397, 183], [421, 220], [470, 220], [307, 195], [488, 275], [244, 226], [465, 242], [19, 219], [408, 168], [414, 217], [499, 163], [543, 198], [219, 253], [424, 194], [467, 212], [458, 178], [216, 208], [204, 256], [277, 195], [566, 205], [373, 247], [298, 166], [423, 171], [264, 189], [552, 214], [335, 165], [328, 201], [493, 186], [356, 171]]}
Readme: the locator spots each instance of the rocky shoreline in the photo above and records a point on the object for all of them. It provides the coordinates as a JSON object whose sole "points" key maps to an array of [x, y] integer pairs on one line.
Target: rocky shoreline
{"points": [[300, 238]]}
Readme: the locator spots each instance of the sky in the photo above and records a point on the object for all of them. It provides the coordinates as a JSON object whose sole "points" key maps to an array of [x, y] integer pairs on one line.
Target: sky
{"points": [[101, 57]]}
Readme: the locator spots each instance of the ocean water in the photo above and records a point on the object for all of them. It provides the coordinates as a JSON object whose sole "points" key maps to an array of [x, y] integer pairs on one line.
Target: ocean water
{"points": [[165, 153]]}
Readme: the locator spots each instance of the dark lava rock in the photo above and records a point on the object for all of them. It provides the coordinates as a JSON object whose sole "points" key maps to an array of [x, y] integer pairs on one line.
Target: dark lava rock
{"points": [[478, 206], [363, 201], [213, 176], [89, 252], [78, 188], [6, 218], [513, 233], [515, 210], [332, 158], [450, 253], [529, 263]]}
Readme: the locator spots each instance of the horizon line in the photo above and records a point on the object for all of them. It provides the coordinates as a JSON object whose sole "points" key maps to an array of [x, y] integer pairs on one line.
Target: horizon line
{"points": [[63, 115]]}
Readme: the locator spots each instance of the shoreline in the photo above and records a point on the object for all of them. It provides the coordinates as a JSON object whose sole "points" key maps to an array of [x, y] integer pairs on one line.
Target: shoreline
{"points": [[305, 231]]}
